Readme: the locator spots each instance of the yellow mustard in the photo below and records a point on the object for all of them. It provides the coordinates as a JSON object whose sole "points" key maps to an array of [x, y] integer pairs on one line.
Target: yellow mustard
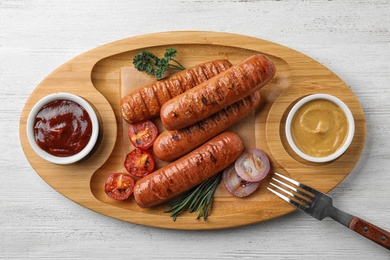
{"points": [[319, 128]]}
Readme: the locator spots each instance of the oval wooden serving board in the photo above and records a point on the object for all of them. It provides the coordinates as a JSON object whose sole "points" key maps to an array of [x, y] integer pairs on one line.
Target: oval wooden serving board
{"points": [[95, 75]]}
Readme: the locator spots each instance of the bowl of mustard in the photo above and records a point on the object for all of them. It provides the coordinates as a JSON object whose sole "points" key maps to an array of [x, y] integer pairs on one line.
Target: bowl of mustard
{"points": [[320, 128]]}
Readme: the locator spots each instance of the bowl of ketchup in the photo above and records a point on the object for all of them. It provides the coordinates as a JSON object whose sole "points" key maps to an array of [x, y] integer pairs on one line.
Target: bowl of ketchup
{"points": [[62, 128]]}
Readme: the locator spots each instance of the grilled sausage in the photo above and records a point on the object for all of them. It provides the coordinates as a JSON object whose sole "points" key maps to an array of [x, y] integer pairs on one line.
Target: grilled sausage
{"points": [[146, 102], [188, 171], [220, 91], [173, 144]]}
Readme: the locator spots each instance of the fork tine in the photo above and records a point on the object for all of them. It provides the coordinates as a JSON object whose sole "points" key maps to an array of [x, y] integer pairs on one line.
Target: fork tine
{"points": [[280, 188], [292, 202], [301, 198], [301, 185], [303, 202], [299, 194]]}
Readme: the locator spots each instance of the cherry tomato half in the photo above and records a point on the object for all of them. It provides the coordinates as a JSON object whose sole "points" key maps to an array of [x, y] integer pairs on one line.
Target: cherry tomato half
{"points": [[119, 186], [143, 134], [139, 163]]}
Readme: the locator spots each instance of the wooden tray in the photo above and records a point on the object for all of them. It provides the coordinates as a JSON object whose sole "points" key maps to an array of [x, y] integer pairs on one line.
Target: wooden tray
{"points": [[95, 75]]}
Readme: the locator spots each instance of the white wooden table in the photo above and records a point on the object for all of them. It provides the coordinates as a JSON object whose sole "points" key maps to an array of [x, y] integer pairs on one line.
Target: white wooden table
{"points": [[36, 36]]}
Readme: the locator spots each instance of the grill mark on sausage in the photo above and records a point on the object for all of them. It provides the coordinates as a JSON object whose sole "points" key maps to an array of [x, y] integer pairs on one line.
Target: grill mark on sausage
{"points": [[188, 171], [220, 91], [212, 158], [198, 76], [170, 145], [149, 103], [141, 106], [153, 96], [176, 137], [204, 100]]}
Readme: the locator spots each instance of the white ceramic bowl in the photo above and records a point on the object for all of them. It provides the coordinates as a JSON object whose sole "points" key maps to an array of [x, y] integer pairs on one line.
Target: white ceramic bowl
{"points": [[69, 159], [345, 145]]}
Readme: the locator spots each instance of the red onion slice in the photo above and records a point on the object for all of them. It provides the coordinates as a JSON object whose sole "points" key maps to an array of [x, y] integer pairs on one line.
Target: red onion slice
{"points": [[252, 165], [236, 185]]}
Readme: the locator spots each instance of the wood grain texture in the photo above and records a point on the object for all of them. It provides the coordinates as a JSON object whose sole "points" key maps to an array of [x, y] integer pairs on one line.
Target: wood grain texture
{"points": [[350, 38]]}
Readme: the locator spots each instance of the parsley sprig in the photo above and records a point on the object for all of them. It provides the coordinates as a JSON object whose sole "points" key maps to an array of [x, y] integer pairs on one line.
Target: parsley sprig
{"points": [[198, 199], [153, 65]]}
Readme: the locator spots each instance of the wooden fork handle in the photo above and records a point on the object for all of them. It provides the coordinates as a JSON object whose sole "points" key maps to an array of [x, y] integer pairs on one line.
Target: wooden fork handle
{"points": [[370, 231]]}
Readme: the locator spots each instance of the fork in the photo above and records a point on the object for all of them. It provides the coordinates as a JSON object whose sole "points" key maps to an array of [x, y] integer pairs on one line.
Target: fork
{"points": [[320, 205]]}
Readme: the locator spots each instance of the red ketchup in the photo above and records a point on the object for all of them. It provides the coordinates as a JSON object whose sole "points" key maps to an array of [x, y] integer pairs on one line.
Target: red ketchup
{"points": [[62, 128]]}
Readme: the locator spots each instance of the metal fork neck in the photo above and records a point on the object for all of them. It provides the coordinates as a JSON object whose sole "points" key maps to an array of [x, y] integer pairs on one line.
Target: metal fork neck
{"points": [[340, 216]]}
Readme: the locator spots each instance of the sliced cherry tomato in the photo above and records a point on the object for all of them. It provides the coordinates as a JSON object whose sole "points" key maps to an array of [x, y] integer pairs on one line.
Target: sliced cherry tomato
{"points": [[119, 186], [139, 163], [236, 185], [143, 134], [252, 165]]}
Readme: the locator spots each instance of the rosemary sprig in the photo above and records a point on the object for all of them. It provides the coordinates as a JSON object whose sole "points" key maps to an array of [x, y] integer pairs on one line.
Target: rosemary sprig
{"points": [[199, 199]]}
